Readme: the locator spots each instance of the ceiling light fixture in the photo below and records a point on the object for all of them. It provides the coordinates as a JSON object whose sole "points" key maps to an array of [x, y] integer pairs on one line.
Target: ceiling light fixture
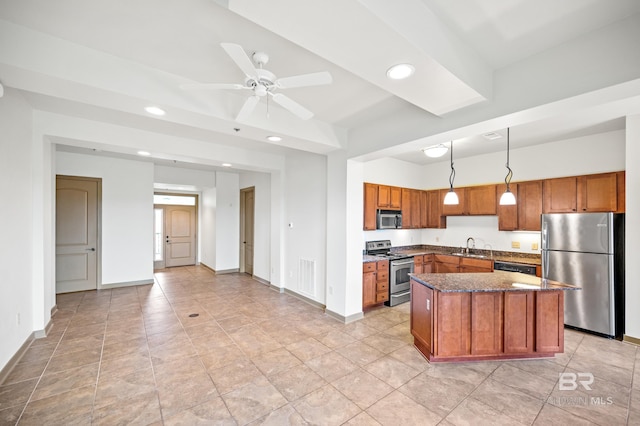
{"points": [[436, 150], [274, 138], [144, 153], [226, 164], [400, 71], [451, 198], [154, 110], [508, 199]]}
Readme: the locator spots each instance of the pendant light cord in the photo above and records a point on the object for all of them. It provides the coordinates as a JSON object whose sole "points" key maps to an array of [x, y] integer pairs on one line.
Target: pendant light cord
{"points": [[453, 171], [507, 178]]}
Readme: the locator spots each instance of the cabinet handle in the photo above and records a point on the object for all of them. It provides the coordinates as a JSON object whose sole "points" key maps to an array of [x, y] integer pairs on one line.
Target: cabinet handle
{"points": [[428, 304]]}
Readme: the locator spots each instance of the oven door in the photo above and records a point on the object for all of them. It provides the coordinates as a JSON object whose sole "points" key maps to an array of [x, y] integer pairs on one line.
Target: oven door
{"points": [[399, 271]]}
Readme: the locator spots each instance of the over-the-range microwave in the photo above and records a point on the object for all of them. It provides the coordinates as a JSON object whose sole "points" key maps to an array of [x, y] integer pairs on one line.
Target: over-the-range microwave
{"points": [[389, 219]]}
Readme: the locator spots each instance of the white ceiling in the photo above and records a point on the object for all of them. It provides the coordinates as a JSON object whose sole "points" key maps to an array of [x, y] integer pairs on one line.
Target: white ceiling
{"points": [[105, 60]]}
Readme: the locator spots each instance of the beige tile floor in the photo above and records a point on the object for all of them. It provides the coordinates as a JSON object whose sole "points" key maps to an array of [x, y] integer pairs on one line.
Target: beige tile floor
{"points": [[254, 356]]}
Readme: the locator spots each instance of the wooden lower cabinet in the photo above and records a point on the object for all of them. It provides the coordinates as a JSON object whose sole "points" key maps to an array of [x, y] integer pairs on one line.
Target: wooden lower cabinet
{"points": [[375, 283], [467, 326], [423, 264]]}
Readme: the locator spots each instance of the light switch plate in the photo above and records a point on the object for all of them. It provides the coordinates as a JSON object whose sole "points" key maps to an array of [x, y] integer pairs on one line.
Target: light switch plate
{"points": [[534, 246], [515, 244]]}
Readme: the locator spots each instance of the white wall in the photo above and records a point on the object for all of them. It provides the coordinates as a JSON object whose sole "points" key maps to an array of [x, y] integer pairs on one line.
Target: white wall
{"points": [[632, 225], [16, 279], [306, 210], [127, 214], [208, 228], [227, 234], [261, 182]]}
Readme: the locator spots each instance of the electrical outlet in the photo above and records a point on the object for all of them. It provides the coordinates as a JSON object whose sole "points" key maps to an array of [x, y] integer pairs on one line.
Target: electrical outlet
{"points": [[534, 246], [515, 244], [437, 239]]}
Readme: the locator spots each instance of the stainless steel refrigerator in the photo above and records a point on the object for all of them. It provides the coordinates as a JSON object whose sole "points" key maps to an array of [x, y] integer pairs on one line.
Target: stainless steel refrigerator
{"points": [[587, 250]]}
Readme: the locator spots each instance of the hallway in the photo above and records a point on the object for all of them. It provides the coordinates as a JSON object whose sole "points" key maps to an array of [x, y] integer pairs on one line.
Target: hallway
{"points": [[200, 348]]}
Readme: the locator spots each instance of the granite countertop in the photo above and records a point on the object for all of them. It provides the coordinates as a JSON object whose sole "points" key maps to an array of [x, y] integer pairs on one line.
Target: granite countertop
{"points": [[512, 257], [489, 281]]}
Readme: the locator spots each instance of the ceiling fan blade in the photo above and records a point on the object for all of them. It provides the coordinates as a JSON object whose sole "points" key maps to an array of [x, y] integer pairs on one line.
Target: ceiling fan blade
{"points": [[213, 86], [247, 108], [292, 106], [303, 80], [237, 53]]}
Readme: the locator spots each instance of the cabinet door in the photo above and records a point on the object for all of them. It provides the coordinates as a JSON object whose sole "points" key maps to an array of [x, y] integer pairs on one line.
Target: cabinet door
{"points": [[508, 215], [455, 209], [422, 315], [369, 289], [621, 176], [395, 197], [480, 200], [417, 264], [424, 210], [518, 321], [599, 193], [434, 210], [550, 321], [407, 220], [454, 324], [529, 204], [486, 323], [370, 203], [384, 196], [560, 195], [476, 265], [415, 209]]}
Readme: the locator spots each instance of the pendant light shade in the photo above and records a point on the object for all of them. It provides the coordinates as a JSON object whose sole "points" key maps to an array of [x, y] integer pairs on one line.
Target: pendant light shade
{"points": [[451, 198], [508, 199]]}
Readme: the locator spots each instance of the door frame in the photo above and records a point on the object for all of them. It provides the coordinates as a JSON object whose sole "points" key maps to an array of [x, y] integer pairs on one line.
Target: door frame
{"points": [[98, 225], [243, 191], [156, 264]]}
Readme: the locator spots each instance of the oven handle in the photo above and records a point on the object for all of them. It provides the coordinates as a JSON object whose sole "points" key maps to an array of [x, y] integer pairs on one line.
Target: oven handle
{"points": [[400, 294], [402, 262]]}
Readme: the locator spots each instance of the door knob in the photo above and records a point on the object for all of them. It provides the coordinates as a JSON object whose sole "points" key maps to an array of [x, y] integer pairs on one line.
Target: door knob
{"points": [[91, 249]]}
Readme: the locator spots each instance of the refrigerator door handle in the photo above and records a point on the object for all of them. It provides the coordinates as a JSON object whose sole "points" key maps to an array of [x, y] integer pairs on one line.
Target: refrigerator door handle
{"points": [[545, 264]]}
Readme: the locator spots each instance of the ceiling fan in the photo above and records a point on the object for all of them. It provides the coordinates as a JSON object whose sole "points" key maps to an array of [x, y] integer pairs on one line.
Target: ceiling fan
{"points": [[264, 83]]}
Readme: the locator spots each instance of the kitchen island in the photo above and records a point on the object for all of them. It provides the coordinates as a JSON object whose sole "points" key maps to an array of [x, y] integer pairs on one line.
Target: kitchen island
{"points": [[485, 316]]}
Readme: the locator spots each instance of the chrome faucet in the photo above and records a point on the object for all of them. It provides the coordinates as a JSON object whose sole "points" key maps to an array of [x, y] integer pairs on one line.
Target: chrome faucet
{"points": [[473, 242]]}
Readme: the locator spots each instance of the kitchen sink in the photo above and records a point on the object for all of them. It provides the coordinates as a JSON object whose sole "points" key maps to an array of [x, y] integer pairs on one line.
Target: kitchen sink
{"points": [[477, 256]]}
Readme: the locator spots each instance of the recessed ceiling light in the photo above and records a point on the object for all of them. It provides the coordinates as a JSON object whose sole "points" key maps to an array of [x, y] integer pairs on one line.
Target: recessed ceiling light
{"points": [[400, 71], [144, 153], [274, 138], [154, 110], [226, 165]]}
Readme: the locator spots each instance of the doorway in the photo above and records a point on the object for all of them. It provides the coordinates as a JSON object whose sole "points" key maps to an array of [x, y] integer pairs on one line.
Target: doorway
{"points": [[247, 215], [77, 233], [175, 230]]}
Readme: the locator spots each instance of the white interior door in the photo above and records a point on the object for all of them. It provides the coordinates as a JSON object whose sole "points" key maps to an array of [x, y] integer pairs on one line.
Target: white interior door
{"points": [[180, 235], [76, 234]]}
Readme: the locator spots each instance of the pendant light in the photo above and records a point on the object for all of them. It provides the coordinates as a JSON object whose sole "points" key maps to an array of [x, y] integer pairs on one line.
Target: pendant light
{"points": [[451, 198], [508, 199]]}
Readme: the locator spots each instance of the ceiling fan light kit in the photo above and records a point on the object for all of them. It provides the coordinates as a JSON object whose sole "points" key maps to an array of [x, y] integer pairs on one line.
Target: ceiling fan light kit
{"points": [[264, 83]]}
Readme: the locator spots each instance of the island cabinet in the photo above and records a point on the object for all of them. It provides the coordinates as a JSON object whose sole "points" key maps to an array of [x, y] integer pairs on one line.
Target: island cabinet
{"points": [[484, 325], [589, 193], [375, 283]]}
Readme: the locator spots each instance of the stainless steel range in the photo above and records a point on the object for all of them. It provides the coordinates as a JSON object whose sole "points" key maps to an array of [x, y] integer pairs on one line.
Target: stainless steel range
{"points": [[400, 266]]}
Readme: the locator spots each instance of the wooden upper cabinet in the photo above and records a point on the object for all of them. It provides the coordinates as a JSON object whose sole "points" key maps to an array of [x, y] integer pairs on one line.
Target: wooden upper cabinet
{"points": [[435, 219], [598, 193], [452, 209], [370, 206], [621, 192], [481, 200], [529, 205], [473, 200], [589, 193], [389, 197], [407, 220], [424, 210], [561, 195], [508, 215], [416, 211]]}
